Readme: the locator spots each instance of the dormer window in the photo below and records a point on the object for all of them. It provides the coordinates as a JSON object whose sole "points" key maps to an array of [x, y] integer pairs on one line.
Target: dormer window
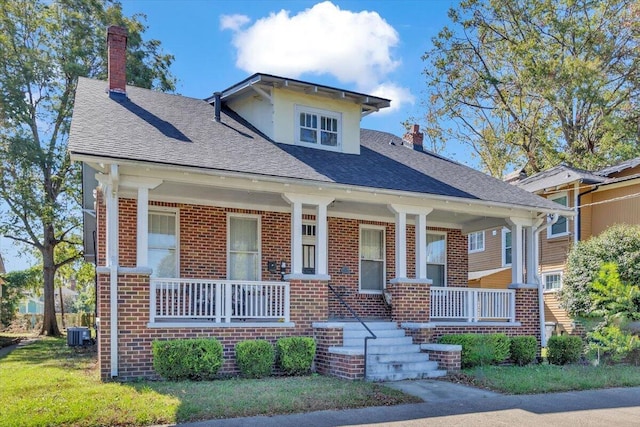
{"points": [[319, 128]]}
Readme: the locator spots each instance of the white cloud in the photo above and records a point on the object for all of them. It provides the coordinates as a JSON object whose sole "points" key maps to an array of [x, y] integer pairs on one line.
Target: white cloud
{"points": [[354, 47], [233, 22], [397, 94]]}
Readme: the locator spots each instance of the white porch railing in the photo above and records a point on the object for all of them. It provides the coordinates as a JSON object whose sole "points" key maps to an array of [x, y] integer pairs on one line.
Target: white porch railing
{"points": [[218, 300], [473, 305]]}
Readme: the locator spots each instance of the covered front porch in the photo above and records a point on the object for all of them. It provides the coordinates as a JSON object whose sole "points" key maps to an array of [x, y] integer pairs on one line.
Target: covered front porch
{"points": [[189, 255]]}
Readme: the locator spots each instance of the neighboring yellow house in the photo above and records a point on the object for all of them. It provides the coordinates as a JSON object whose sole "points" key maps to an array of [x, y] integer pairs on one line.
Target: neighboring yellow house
{"points": [[600, 199]]}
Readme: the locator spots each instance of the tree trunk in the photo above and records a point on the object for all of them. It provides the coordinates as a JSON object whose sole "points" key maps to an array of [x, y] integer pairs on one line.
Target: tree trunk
{"points": [[49, 324], [62, 308]]}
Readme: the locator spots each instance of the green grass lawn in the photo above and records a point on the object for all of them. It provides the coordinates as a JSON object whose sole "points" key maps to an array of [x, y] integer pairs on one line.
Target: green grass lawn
{"points": [[545, 378], [48, 383]]}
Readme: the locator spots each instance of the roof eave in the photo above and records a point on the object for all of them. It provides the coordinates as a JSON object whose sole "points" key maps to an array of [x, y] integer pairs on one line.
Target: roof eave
{"points": [[83, 157]]}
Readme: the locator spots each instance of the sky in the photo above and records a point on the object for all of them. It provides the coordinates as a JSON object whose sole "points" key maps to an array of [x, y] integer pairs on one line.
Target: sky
{"points": [[374, 47]]}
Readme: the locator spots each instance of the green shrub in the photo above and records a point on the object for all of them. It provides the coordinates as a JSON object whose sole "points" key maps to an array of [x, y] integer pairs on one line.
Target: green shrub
{"points": [[480, 349], [295, 354], [618, 244], [195, 359], [563, 349], [255, 358], [523, 350]]}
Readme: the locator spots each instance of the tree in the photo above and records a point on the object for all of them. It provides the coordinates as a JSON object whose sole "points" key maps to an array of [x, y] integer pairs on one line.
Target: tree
{"points": [[45, 46], [16, 284], [619, 244], [535, 83]]}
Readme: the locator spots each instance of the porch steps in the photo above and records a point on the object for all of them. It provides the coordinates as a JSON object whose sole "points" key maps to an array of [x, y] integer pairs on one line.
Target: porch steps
{"points": [[390, 357]]}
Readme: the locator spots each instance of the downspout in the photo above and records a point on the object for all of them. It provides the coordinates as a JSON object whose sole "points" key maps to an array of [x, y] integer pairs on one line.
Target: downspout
{"points": [[536, 240], [578, 210], [112, 259]]}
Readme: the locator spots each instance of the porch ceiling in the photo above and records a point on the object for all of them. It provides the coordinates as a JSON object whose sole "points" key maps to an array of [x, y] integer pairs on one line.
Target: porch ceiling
{"points": [[271, 201]]}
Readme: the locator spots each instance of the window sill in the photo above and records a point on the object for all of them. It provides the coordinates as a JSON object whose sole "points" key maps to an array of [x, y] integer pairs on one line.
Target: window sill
{"points": [[558, 236], [337, 149], [475, 251]]}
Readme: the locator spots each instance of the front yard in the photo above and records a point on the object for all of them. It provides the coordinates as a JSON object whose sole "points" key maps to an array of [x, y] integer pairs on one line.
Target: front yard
{"points": [[545, 378], [48, 383]]}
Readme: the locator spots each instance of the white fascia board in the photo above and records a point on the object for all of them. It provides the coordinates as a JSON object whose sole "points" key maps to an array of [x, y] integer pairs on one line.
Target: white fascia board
{"points": [[247, 181]]}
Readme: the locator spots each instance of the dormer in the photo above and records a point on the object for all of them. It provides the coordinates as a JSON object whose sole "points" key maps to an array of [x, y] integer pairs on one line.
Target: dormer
{"points": [[301, 113]]}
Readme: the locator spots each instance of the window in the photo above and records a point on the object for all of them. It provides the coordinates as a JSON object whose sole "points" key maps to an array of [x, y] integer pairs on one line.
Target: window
{"points": [[308, 249], [318, 127], [372, 273], [506, 247], [476, 242], [561, 227], [552, 280], [163, 243], [244, 248], [437, 258]]}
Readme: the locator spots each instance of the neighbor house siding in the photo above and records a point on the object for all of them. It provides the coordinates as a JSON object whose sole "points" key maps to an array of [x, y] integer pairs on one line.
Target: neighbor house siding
{"points": [[624, 211], [491, 257]]}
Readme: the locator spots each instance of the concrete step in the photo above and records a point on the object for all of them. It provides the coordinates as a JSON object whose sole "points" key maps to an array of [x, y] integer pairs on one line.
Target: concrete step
{"points": [[393, 349], [398, 367], [399, 376], [400, 357], [382, 341], [374, 326], [381, 333]]}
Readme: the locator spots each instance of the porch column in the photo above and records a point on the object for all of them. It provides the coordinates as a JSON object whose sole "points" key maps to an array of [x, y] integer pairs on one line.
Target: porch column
{"points": [[401, 244], [142, 247], [296, 237], [321, 239], [421, 244], [517, 247], [532, 264]]}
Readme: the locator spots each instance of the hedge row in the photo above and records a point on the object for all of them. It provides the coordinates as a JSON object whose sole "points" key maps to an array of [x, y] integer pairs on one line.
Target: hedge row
{"points": [[487, 349], [201, 358]]}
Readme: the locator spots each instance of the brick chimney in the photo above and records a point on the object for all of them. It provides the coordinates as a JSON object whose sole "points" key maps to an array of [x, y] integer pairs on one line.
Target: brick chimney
{"points": [[414, 137], [117, 59]]}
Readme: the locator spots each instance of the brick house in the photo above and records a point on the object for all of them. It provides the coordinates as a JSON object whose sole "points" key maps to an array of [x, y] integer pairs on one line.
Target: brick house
{"points": [[266, 211], [599, 200]]}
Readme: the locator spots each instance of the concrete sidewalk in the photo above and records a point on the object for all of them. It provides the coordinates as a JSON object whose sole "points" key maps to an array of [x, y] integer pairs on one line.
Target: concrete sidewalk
{"points": [[448, 404]]}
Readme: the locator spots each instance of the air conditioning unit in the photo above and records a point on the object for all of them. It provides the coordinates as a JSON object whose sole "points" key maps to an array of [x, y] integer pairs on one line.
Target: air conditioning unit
{"points": [[78, 336]]}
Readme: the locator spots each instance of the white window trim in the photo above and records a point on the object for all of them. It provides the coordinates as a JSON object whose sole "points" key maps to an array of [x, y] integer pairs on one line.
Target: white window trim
{"points": [[446, 255], [311, 240], [166, 209], [555, 197], [242, 215], [551, 273], [327, 113], [473, 251], [503, 247], [384, 259]]}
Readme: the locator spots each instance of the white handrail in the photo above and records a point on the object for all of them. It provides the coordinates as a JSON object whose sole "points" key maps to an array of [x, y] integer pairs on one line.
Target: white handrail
{"points": [[218, 300], [472, 304]]}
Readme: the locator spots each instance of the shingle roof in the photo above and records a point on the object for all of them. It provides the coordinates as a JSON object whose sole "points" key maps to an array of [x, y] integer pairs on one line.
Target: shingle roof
{"points": [[558, 175], [168, 129], [627, 164]]}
